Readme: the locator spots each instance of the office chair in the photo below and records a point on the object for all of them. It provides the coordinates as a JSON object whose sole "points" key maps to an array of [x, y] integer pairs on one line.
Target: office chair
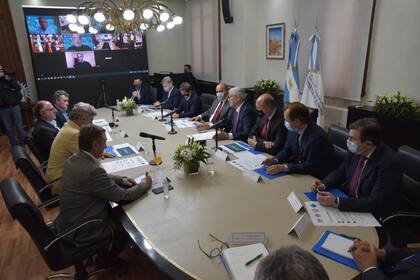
{"points": [[338, 136], [56, 252], [403, 227], [206, 100], [34, 176], [34, 148]]}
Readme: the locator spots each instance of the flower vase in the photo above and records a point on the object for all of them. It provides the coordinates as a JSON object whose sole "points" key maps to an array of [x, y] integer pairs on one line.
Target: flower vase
{"points": [[129, 112], [191, 167]]}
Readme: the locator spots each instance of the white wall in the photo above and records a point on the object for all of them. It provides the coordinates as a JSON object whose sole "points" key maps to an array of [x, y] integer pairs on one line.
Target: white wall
{"points": [[166, 50], [394, 62]]}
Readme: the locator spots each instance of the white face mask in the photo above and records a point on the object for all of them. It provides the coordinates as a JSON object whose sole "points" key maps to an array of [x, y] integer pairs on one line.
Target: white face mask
{"points": [[220, 95]]}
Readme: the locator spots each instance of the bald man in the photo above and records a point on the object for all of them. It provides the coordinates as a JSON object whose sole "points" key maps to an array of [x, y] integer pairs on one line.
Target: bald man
{"points": [[45, 128], [269, 133], [218, 110]]}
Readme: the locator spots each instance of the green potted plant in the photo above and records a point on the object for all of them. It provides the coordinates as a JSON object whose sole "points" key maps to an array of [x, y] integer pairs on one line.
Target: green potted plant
{"points": [[189, 156], [397, 105], [129, 105], [266, 86]]}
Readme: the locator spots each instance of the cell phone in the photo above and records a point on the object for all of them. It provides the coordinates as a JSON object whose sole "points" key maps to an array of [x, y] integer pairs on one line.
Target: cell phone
{"points": [[160, 189]]}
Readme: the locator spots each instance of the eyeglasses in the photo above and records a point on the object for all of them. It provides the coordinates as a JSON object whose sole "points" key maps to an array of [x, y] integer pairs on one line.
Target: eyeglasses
{"points": [[215, 252]]}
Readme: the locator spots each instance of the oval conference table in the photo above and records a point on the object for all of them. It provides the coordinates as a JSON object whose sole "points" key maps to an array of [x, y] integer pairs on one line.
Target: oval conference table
{"points": [[168, 230]]}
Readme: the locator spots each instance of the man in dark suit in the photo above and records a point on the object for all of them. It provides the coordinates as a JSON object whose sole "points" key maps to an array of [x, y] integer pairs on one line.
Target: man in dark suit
{"points": [[241, 117], [307, 149], [218, 110], [371, 175], [395, 263], [191, 103], [61, 104], [268, 134], [171, 97], [45, 128], [140, 92]]}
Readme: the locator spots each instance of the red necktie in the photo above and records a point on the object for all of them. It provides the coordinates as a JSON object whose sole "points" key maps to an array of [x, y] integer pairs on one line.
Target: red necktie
{"points": [[235, 121], [354, 183], [216, 114], [265, 129]]}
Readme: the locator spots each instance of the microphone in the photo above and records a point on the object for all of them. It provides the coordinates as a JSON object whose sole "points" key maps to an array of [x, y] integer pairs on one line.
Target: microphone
{"points": [[147, 135], [170, 113], [220, 123]]}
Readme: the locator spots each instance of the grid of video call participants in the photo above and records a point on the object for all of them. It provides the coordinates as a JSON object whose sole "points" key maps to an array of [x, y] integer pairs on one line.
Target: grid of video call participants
{"points": [[51, 34]]}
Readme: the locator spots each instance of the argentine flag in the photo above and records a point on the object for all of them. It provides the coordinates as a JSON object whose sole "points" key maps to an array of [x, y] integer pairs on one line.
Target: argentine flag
{"points": [[313, 91], [291, 87]]}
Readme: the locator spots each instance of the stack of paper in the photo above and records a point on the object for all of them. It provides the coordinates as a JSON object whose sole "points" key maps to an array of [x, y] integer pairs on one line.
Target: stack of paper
{"points": [[235, 259], [124, 164], [100, 122], [203, 136]]}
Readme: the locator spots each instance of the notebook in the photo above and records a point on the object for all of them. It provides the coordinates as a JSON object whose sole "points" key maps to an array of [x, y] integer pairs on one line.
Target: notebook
{"points": [[234, 260]]}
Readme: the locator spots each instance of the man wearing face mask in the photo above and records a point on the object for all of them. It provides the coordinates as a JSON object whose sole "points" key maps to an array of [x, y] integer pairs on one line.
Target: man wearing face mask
{"points": [[307, 149], [371, 176], [191, 103], [269, 133], [45, 128], [171, 97], [140, 92], [218, 110]]}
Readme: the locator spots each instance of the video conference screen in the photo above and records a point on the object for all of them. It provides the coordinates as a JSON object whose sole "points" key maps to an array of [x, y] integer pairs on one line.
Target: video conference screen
{"points": [[81, 63]]}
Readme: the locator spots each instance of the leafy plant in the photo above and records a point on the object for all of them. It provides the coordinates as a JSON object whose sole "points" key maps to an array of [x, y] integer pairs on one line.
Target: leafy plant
{"points": [[266, 86], [192, 152], [128, 104], [396, 105]]}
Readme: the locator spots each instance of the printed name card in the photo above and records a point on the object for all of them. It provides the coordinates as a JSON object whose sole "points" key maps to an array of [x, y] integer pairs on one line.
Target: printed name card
{"points": [[123, 134], [294, 202], [222, 155], [300, 226], [253, 176]]}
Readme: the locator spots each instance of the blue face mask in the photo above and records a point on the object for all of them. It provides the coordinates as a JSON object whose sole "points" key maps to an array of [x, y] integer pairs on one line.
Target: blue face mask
{"points": [[352, 147], [289, 127]]}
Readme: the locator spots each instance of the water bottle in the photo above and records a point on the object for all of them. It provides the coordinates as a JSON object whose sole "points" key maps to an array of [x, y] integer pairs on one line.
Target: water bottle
{"points": [[165, 186]]}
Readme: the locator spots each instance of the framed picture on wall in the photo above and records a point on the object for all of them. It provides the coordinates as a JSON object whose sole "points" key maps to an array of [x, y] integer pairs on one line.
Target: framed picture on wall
{"points": [[274, 45]]}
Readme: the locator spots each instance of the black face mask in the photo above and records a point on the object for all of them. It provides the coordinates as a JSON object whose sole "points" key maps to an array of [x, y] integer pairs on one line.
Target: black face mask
{"points": [[260, 113]]}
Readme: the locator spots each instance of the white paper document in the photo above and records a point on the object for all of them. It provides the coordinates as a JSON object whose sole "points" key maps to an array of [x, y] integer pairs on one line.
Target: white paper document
{"points": [[100, 122], [184, 123], [202, 136], [155, 114], [330, 216], [338, 244], [247, 161], [124, 164]]}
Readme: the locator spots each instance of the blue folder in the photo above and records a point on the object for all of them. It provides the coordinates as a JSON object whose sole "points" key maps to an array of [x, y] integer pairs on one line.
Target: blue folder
{"points": [[264, 173], [333, 256], [111, 151], [334, 191], [235, 147], [249, 148]]}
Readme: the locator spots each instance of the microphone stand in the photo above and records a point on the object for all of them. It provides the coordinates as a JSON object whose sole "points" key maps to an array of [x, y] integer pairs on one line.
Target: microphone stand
{"points": [[172, 131], [161, 114], [154, 161]]}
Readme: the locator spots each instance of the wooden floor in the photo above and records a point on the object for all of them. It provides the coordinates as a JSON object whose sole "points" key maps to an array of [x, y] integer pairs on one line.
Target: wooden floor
{"points": [[19, 258]]}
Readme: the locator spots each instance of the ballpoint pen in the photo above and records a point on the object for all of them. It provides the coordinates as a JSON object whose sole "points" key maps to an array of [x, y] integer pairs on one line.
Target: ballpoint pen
{"points": [[253, 259]]}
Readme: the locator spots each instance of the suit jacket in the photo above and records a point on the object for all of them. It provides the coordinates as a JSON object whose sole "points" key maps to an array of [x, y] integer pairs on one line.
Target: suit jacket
{"points": [[65, 144], [191, 107], [174, 99], [392, 269], [223, 114], [87, 195], [44, 134], [246, 120], [146, 95], [315, 155], [60, 118], [277, 133], [379, 182]]}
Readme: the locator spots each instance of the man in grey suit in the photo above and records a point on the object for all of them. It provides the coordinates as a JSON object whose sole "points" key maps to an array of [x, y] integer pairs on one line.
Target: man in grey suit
{"points": [[218, 110], [87, 189]]}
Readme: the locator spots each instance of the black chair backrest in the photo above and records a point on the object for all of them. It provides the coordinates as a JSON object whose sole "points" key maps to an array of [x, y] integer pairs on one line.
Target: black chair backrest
{"points": [[22, 208], [338, 136], [206, 100], [33, 146], [410, 163], [31, 172]]}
